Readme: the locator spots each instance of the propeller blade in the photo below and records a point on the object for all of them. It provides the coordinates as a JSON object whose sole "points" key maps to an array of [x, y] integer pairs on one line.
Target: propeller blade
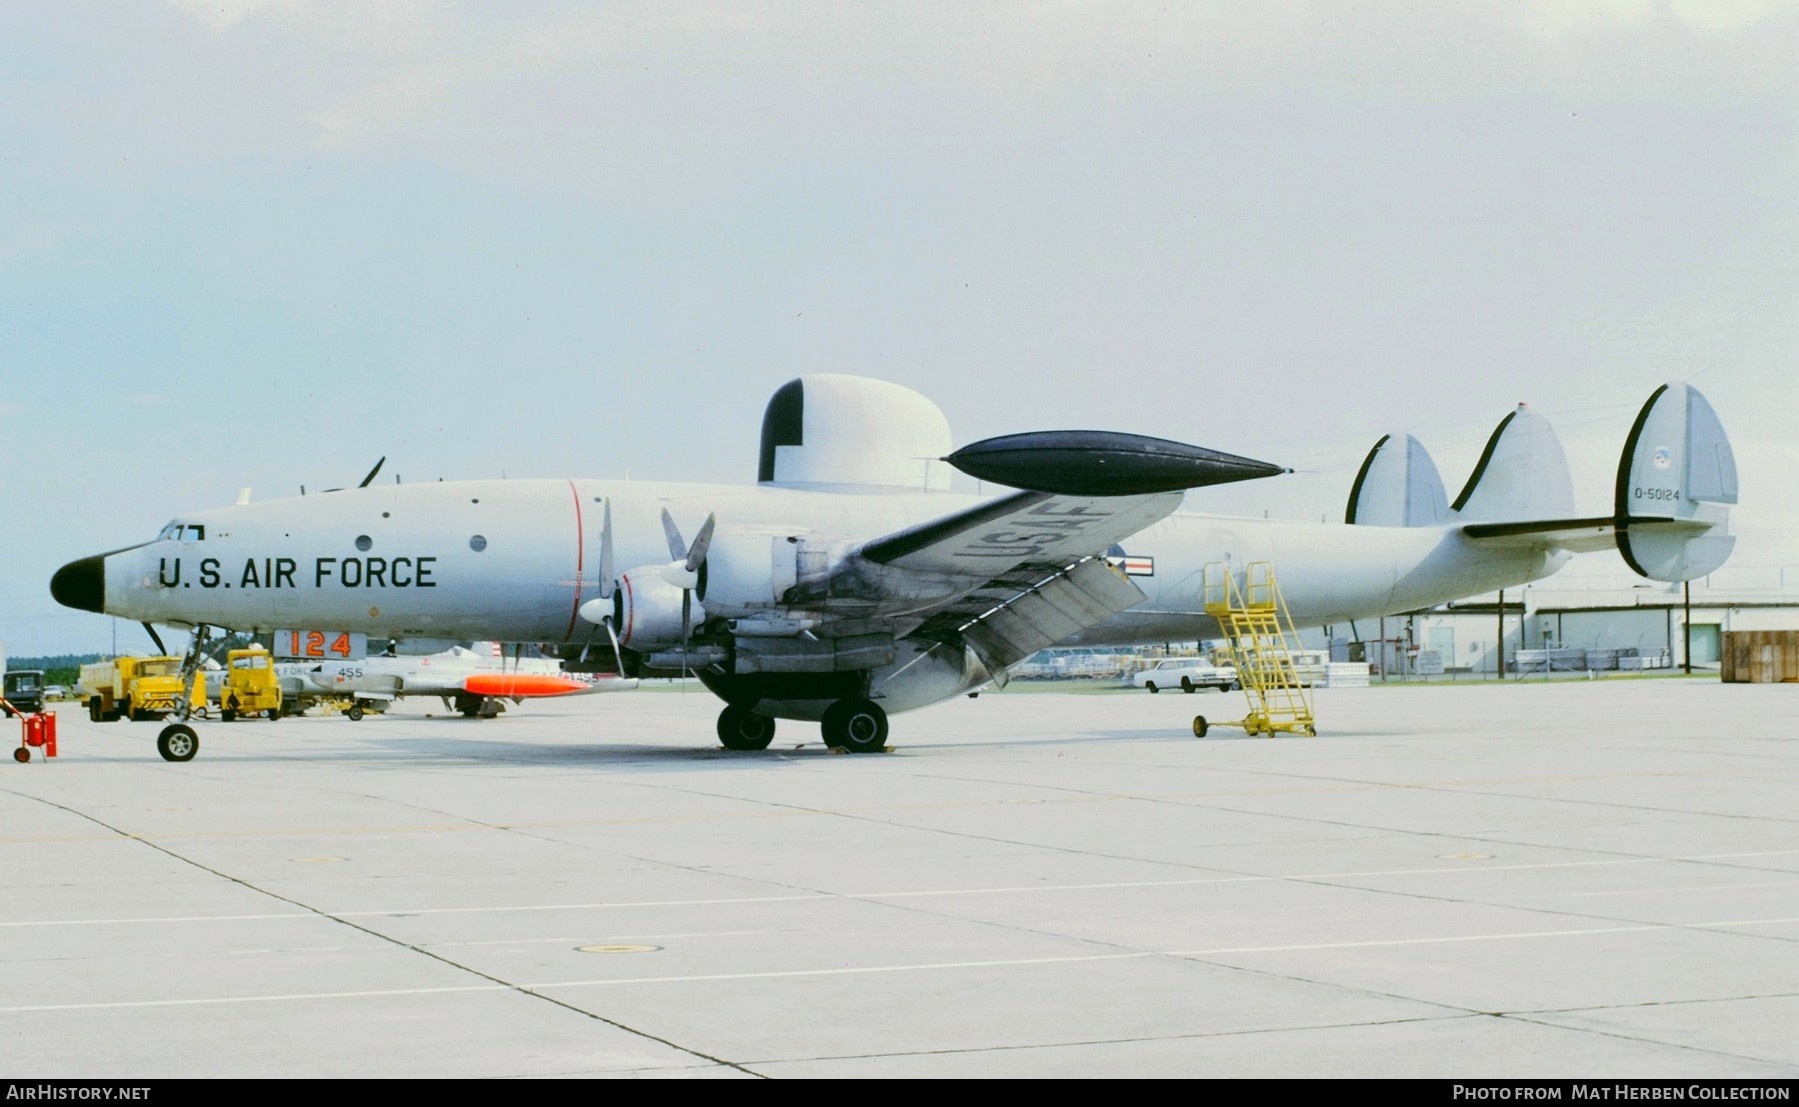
{"points": [[372, 472], [607, 580], [697, 552], [157, 638], [686, 617], [618, 654], [677, 549]]}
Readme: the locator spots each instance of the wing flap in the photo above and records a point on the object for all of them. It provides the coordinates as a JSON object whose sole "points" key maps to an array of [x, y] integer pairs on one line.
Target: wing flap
{"points": [[1075, 598]]}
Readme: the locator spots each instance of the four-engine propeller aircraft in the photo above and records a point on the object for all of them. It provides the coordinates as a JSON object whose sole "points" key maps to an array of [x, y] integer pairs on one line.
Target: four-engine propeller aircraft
{"points": [[475, 681], [849, 582]]}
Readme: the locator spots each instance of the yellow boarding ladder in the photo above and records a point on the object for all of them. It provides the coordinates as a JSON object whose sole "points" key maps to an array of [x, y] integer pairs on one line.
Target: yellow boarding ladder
{"points": [[1263, 645]]}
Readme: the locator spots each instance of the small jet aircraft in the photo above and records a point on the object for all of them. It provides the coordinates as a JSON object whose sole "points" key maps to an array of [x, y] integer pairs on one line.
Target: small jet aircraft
{"points": [[850, 582], [473, 681]]}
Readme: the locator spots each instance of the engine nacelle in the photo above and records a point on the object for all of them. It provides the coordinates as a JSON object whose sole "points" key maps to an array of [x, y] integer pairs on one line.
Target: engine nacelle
{"points": [[647, 610], [751, 571], [748, 571]]}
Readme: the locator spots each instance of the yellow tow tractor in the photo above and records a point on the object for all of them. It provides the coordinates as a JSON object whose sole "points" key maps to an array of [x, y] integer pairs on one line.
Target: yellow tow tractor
{"points": [[250, 687]]}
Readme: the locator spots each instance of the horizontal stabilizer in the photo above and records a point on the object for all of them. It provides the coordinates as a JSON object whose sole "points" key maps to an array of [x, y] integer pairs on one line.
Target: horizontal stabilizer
{"points": [[1397, 486]]}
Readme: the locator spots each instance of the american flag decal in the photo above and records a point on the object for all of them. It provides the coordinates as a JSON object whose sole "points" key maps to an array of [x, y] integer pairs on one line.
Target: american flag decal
{"points": [[1134, 566]]}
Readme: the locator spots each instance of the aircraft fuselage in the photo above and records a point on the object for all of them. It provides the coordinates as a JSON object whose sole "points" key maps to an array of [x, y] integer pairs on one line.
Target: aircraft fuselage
{"points": [[515, 560]]}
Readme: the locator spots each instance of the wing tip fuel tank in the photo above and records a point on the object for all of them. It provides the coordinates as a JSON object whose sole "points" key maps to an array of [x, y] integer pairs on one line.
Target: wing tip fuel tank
{"points": [[1102, 463]]}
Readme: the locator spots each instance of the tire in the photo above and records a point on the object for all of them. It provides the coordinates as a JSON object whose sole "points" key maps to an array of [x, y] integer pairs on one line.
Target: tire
{"points": [[178, 742], [22, 755], [272, 714], [1152, 686], [855, 726], [228, 714], [1187, 685], [739, 728], [355, 713], [95, 712], [1199, 726]]}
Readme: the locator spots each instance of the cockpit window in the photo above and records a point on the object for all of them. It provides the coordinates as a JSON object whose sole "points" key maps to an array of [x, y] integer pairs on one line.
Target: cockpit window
{"points": [[182, 532]]}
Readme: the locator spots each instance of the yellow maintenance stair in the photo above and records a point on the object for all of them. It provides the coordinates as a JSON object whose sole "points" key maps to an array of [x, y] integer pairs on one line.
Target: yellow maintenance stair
{"points": [[1249, 608]]}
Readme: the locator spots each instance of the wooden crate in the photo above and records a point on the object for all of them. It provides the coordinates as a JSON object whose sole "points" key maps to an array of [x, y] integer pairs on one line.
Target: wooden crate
{"points": [[1760, 656]]}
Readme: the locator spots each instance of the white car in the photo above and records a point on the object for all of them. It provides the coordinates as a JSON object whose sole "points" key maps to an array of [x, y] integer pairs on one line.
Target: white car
{"points": [[1189, 674]]}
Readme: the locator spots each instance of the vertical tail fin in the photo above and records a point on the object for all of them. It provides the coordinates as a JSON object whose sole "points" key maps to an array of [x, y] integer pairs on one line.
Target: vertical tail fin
{"points": [[1675, 477], [1522, 475], [1397, 486]]}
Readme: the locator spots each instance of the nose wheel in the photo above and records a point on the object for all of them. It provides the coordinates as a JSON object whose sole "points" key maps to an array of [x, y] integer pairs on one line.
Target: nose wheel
{"points": [[855, 726], [178, 743]]}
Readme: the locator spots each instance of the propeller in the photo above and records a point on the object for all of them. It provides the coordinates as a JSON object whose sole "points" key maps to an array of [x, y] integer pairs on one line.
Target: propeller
{"points": [[603, 605], [684, 571]]}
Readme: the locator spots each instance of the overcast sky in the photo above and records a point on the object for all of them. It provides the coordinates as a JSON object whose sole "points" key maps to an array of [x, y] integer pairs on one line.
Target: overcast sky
{"points": [[251, 242]]}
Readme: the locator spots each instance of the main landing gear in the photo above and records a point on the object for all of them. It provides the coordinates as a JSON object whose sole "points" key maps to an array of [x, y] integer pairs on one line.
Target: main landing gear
{"points": [[853, 726], [739, 728]]}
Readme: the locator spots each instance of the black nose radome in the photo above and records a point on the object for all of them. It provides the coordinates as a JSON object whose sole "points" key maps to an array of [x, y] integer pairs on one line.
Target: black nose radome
{"points": [[81, 584]]}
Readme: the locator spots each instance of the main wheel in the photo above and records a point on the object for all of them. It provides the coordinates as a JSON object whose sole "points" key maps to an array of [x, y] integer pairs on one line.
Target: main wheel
{"points": [[856, 726], [739, 728], [355, 712], [1187, 684], [178, 742]]}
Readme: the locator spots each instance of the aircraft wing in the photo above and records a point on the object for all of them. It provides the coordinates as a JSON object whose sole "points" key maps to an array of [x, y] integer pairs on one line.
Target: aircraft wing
{"points": [[1011, 576]]}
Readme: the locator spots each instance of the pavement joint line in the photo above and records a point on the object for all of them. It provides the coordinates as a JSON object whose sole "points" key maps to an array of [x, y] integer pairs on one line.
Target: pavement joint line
{"points": [[939, 892], [882, 969], [1644, 928]]}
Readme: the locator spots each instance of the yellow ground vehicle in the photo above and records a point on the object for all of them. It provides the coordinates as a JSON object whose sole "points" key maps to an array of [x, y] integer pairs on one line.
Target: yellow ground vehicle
{"points": [[251, 687], [134, 688]]}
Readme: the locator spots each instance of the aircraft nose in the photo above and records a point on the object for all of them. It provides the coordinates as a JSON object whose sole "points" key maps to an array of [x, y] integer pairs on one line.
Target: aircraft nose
{"points": [[81, 584]]}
